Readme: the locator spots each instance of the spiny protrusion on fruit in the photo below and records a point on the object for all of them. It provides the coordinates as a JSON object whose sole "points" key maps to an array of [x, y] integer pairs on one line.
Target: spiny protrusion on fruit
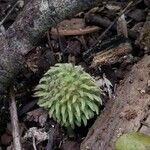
{"points": [[70, 95]]}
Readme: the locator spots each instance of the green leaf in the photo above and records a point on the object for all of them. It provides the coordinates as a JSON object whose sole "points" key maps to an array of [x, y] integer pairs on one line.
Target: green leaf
{"points": [[77, 110], [78, 123], [43, 80], [69, 106], [50, 103], [57, 108], [70, 113], [51, 111], [89, 95], [64, 117], [85, 77], [70, 116], [87, 87], [57, 96], [63, 100], [84, 120], [91, 114], [60, 74], [72, 125], [98, 99], [83, 101], [40, 94], [86, 113], [81, 93], [43, 104], [93, 107], [41, 87], [77, 117], [133, 141], [68, 96], [74, 99]]}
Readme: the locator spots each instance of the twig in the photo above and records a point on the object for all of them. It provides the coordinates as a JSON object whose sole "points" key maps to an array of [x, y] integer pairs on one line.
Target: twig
{"points": [[50, 143], [75, 31], [14, 121], [2, 29], [49, 41], [57, 30], [34, 145], [10, 11], [102, 22]]}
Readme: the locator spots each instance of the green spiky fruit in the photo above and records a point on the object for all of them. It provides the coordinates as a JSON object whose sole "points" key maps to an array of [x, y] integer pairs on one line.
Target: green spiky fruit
{"points": [[69, 94]]}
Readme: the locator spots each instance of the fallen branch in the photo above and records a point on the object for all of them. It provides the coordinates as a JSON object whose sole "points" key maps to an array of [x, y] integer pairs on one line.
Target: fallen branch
{"points": [[92, 19], [14, 121], [124, 114], [75, 26], [24, 34]]}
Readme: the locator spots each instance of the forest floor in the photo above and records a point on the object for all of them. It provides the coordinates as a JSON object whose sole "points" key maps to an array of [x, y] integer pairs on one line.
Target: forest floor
{"points": [[105, 46]]}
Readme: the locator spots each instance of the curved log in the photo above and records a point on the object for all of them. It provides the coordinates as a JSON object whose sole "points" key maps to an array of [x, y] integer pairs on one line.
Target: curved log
{"points": [[129, 111]]}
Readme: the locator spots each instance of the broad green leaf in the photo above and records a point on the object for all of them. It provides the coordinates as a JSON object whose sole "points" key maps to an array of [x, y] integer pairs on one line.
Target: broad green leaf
{"points": [[133, 141]]}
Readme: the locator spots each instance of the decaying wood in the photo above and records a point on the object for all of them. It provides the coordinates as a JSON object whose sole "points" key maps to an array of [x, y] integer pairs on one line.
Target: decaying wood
{"points": [[111, 51], [36, 18], [129, 111], [113, 55]]}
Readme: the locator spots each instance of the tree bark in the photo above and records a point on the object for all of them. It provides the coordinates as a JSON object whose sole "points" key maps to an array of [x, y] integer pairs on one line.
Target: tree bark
{"points": [[23, 35], [129, 111]]}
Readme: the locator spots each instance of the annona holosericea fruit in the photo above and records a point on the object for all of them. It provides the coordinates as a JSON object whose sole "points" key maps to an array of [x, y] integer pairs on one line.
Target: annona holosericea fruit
{"points": [[69, 94]]}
